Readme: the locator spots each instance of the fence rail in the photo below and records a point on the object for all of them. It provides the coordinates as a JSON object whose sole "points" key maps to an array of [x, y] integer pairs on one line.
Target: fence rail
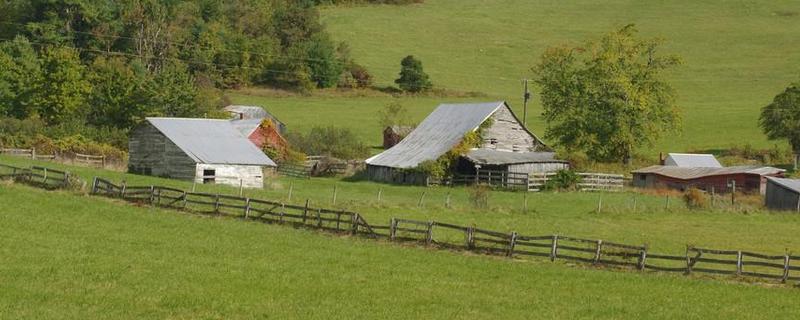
{"points": [[782, 268], [295, 170], [36, 175], [432, 233]]}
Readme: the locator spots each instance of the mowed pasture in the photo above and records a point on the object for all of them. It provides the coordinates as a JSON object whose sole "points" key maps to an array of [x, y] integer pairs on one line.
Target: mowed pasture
{"points": [[68, 256], [737, 56], [664, 229]]}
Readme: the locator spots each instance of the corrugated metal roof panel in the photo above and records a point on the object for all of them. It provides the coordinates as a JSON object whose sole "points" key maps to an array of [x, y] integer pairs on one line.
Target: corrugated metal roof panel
{"points": [[791, 184], [437, 134], [700, 172], [211, 141], [246, 126], [495, 157], [691, 160]]}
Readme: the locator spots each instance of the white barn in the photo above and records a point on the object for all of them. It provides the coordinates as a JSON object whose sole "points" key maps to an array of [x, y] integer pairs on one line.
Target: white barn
{"points": [[203, 150]]}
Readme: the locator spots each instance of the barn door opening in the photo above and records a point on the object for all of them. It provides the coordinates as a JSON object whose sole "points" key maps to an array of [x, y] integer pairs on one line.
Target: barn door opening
{"points": [[209, 175]]}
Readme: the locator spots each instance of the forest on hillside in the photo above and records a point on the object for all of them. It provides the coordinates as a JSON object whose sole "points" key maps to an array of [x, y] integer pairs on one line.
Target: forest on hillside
{"points": [[88, 71]]}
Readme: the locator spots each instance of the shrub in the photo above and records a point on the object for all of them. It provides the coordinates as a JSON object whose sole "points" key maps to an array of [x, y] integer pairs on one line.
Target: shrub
{"points": [[412, 77], [479, 195], [563, 180], [355, 76], [694, 198], [340, 143]]}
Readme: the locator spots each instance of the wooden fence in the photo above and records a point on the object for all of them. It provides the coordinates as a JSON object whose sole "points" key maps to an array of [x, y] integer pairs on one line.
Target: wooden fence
{"points": [[295, 170], [502, 179], [782, 268], [36, 175], [588, 181], [90, 160]]}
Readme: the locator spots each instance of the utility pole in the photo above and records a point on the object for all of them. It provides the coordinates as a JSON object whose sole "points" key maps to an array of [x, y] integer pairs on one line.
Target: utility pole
{"points": [[526, 96]]}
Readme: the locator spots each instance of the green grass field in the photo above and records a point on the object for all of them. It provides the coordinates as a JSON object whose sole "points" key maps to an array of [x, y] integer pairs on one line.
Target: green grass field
{"points": [[573, 214], [66, 256], [737, 56]]}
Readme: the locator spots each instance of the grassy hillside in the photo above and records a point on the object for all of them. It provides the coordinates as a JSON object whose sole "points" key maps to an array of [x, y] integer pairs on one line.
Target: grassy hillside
{"points": [[71, 257], [737, 56], [664, 230]]}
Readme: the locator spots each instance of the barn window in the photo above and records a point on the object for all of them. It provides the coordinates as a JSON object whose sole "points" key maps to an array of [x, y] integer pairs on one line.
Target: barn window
{"points": [[209, 175], [642, 177]]}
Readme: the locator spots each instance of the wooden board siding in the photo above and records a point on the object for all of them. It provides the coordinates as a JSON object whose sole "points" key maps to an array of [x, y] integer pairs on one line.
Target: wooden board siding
{"points": [[538, 167], [506, 133], [151, 153], [780, 198], [744, 182], [249, 176]]}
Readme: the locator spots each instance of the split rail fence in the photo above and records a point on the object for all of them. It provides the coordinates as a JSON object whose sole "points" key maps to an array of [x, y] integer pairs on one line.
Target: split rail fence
{"points": [[450, 236], [36, 175], [738, 263]]}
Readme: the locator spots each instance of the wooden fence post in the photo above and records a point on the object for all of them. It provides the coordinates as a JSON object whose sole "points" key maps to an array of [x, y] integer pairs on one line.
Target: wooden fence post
{"points": [[283, 213], [642, 258], [44, 180], [554, 248], [122, 191], [429, 233], [305, 212], [733, 192], [688, 262], [291, 188], [447, 200], [392, 229], [33, 153], [335, 190], [785, 268], [66, 179], [380, 193], [216, 204], [739, 264], [525, 201], [184, 196], [511, 244], [241, 187], [422, 199], [600, 203], [319, 218], [94, 185], [247, 208], [152, 194], [354, 223], [599, 248], [470, 238]]}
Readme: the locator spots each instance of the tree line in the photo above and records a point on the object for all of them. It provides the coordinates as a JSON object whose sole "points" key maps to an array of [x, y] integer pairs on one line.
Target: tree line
{"points": [[85, 66]]}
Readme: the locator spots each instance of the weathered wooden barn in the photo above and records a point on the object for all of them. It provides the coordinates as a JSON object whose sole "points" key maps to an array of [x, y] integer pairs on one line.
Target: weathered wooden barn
{"points": [[260, 135], [747, 178], [255, 113], [392, 135], [506, 145], [782, 194], [691, 160], [203, 150]]}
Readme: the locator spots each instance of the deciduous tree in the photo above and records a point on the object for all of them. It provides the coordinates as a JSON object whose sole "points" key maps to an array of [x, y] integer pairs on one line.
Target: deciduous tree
{"points": [[781, 118], [607, 97]]}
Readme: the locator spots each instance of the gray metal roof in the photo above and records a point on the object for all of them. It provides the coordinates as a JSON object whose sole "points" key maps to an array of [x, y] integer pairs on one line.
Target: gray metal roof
{"points": [[438, 133], [791, 184], [691, 160], [247, 112], [495, 157], [246, 126], [211, 141], [684, 173]]}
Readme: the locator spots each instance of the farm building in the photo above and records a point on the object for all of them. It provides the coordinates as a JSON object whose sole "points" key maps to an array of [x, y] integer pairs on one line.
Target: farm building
{"points": [[203, 150], [392, 135], [258, 134], [783, 194], [506, 144], [255, 113], [747, 178], [691, 160]]}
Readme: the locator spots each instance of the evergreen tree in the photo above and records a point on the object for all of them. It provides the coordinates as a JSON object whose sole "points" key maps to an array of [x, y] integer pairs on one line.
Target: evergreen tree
{"points": [[412, 77]]}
